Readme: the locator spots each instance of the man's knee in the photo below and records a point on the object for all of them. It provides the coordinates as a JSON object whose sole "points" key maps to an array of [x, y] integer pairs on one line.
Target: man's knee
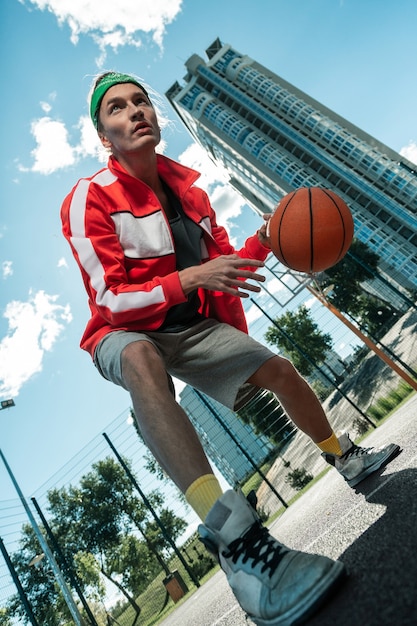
{"points": [[138, 352], [141, 362], [277, 374]]}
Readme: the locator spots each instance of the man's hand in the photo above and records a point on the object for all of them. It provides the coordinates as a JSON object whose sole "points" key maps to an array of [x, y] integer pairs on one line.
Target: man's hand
{"points": [[223, 273]]}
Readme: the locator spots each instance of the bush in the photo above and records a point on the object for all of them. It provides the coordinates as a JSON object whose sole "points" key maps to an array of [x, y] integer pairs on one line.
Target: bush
{"points": [[360, 425], [299, 478], [203, 565]]}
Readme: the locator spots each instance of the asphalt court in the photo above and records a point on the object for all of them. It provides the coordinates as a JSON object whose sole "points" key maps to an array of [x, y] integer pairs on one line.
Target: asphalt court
{"points": [[371, 528]]}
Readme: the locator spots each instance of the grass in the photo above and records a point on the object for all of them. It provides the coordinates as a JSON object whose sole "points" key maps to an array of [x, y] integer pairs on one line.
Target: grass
{"points": [[154, 602], [384, 407], [255, 481]]}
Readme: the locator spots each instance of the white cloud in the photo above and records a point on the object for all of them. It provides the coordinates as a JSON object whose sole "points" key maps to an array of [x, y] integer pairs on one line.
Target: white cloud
{"points": [[195, 157], [410, 151], [310, 302], [112, 25], [90, 145], [179, 386], [46, 107], [53, 150], [227, 203], [7, 269], [252, 314], [274, 285], [62, 262], [34, 327]]}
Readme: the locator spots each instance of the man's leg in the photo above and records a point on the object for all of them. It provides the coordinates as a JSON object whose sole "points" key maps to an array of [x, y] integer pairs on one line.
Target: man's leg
{"points": [[300, 403], [165, 427], [295, 395], [273, 584]]}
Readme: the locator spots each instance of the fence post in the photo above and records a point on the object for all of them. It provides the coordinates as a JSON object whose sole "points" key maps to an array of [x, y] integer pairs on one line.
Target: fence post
{"points": [[153, 512], [45, 547], [67, 567], [231, 435], [314, 364], [18, 584]]}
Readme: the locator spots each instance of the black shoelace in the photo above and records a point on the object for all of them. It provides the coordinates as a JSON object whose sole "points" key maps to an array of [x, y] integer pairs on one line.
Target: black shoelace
{"points": [[258, 545], [355, 451]]}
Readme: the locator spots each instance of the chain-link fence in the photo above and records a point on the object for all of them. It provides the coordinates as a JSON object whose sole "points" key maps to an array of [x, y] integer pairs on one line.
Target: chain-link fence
{"points": [[131, 515], [122, 539], [369, 369]]}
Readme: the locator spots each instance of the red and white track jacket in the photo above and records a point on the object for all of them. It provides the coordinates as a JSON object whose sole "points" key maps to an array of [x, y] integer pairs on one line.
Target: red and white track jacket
{"points": [[124, 247]]}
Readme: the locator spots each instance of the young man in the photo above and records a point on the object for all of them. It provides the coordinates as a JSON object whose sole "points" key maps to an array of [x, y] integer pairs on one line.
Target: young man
{"points": [[165, 289]]}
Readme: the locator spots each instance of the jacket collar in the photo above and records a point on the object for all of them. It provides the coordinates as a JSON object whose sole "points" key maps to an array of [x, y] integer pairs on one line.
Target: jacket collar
{"points": [[177, 176]]}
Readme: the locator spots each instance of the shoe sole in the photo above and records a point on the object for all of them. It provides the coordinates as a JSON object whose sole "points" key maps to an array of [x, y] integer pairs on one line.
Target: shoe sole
{"points": [[395, 451], [311, 602]]}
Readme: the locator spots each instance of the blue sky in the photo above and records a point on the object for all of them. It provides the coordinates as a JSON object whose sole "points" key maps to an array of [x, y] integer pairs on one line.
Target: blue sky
{"points": [[357, 57]]}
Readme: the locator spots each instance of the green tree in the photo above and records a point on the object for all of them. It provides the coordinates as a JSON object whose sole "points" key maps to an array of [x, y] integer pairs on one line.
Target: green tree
{"points": [[301, 328], [347, 277], [39, 584], [88, 571], [103, 529], [375, 316], [131, 550], [299, 478], [104, 517], [349, 293]]}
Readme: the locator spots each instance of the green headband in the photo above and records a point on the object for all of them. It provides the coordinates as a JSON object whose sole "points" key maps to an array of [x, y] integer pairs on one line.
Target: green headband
{"points": [[109, 80]]}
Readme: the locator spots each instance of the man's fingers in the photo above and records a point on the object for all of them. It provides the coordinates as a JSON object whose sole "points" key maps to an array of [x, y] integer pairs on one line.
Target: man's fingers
{"points": [[239, 284], [247, 274], [253, 276], [239, 262]]}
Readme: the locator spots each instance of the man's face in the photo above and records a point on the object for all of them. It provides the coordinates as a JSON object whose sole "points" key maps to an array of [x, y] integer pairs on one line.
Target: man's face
{"points": [[127, 120]]}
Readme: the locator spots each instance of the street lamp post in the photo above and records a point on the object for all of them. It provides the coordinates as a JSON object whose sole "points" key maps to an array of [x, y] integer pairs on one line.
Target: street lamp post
{"points": [[46, 549], [6, 404]]}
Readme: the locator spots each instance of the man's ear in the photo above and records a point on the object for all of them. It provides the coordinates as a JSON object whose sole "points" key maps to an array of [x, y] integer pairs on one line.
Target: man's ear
{"points": [[105, 142]]}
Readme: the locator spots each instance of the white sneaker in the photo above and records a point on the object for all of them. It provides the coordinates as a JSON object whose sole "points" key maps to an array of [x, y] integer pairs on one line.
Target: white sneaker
{"points": [[276, 586], [357, 463]]}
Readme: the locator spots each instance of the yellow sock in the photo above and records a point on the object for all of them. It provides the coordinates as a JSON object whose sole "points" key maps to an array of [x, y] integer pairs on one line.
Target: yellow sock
{"points": [[203, 493], [331, 445]]}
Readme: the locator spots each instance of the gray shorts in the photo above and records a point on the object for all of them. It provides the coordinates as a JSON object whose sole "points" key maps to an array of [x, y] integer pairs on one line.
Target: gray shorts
{"points": [[215, 358]]}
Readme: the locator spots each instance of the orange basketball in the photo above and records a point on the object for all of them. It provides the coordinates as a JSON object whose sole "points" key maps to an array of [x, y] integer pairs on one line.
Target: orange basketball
{"points": [[311, 229]]}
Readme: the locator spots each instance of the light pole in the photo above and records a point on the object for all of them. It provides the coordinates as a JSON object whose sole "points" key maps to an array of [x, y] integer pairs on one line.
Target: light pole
{"points": [[6, 404], [46, 549]]}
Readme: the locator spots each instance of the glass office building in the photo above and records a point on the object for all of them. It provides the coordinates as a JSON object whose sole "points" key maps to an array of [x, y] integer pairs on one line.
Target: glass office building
{"points": [[272, 138]]}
